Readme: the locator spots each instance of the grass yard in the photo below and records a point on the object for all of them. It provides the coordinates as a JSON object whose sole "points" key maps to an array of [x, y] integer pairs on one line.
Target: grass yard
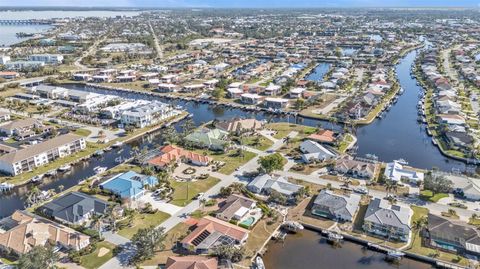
{"points": [[180, 198], [416, 246], [257, 142], [172, 237], [428, 195], [97, 259], [283, 129], [143, 221], [232, 161], [342, 147], [82, 132]]}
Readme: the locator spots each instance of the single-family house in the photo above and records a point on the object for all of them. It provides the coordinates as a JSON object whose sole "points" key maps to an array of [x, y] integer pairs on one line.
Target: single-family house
{"points": [[265, 184], [331, 205], [129, 185], [235, 207], [398, 172], [213, 139], [313, 151]]}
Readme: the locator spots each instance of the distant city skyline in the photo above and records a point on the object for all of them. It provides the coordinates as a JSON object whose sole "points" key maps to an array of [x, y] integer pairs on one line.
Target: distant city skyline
{"points": [[244, 3]]}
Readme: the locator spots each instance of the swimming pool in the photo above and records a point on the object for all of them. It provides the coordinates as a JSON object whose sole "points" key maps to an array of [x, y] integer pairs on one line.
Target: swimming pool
{"points": [[248, 222]]}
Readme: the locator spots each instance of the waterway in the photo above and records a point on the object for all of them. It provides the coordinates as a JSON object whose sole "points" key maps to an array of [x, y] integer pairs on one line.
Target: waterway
{"points": [[8, 32], [309, 249], [318, 72], [397, 135]]}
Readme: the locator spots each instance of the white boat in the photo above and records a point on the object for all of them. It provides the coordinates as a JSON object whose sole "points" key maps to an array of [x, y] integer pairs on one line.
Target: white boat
{"points": [[394, 255], [334, 237], [401, 91], [292, 226], [5, 186], [36, 179], [100, 169], [51, 173], [118, 159], [64, 168], [117, 144], [402, 161], [259, 263]]}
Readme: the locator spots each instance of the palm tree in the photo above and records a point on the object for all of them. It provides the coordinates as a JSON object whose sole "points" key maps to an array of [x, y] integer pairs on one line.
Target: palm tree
{"points": [[33, 196], [418, 225], [97, 224]]}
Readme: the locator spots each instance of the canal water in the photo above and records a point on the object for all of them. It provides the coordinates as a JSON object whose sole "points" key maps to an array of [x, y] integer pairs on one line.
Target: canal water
{"points": [[397, 135], [309, 249], [8, 32], [318, 72]]}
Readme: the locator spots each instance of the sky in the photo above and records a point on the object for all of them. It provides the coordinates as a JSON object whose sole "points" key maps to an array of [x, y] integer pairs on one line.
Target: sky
{"points": [[245, 3]]}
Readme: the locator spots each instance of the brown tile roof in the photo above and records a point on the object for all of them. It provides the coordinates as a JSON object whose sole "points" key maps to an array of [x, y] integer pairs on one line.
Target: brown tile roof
{"points": [[36, 149], [212, 224], [18, 124], [323, 136], [237, 125], [29, 231], [191, 262], [172, 153]]}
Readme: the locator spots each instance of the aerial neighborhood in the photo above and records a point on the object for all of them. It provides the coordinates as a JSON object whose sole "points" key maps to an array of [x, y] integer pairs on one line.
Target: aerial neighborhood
{"points": [[205, 138]]}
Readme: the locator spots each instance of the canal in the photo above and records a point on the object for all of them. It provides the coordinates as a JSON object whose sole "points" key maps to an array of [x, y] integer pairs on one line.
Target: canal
{"points": [[397, 135], [319, 72], [309, 249]]}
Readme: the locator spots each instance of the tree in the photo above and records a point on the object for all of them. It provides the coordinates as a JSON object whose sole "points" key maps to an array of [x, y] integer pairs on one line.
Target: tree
{"points": [[218, 93], [39, 257], [418, 225], [225, 191], [228, 252], [437, 183], [271, 162], [147, 241]]}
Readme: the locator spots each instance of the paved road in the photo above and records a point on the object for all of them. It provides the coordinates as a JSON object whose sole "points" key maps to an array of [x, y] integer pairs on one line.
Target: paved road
{"points": [[158, 48], [27, 80], [183, 214]]}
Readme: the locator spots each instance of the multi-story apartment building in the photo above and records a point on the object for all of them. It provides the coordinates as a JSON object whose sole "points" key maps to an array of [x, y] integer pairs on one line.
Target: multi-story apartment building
{"points": [[27, 159], [47, 58]]}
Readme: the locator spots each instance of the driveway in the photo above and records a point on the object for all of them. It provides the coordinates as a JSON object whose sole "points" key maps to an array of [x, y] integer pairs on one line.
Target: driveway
{"points": [[160, 205]]}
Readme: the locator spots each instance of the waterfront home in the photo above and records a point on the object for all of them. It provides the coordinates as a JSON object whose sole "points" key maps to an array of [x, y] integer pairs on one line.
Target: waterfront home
{"points": [[213, 139], [459, 140], [356, 168], [234, 92], [451, 236], [251, 98], [398, 172], [169, 78], [50, 92], [37, 155], [170, 155], [272, 90], [265, 184], [235, 207], [129, 185], [191, 262], [167, 87], [275, 103], [9, 75], [149, 114], [46, 58], [296, 93], [331, 205], [74, 208], [211, 232], [240, 126], [82, 77], [22, 231], [24, 65], [451, 119], [388, 220], [313, 151], [4, 116], [323, 136]]}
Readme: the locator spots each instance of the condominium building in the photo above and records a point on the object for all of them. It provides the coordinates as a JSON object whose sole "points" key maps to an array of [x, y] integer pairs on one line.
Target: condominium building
{"points": [[27, 159], [47, 58]]}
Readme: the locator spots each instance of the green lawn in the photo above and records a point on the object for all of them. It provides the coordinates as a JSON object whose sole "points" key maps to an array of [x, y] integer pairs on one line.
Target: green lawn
{"points": [[180, 197], [92, 260], [257, 142], [428, 195], [342, 147], [143, 221], [82, 132], [232, 161], [283, 129]]}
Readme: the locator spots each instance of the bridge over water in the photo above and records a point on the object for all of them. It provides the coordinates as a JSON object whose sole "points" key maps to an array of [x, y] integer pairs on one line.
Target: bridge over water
{"points": [[16, 22]]}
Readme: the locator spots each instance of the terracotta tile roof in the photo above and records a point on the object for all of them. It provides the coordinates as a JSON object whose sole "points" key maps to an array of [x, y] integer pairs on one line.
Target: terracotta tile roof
{"points": [[27, 231], [323, 136], [191, 262], [172, 153], [212, 224]]}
